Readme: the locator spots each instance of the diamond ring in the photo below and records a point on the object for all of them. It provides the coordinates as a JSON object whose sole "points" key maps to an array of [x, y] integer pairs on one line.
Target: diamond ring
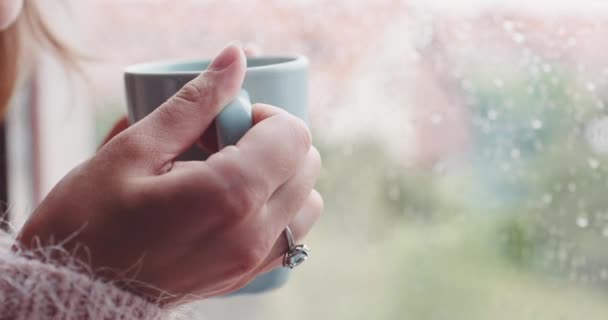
{"points": [[296, 254]]}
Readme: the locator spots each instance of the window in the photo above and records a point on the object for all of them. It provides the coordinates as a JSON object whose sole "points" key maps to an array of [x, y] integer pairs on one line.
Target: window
{"points": [[465, 147]]}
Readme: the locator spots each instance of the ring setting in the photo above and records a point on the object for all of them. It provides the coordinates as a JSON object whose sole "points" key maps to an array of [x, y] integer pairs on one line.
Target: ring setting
{"points": [[296, 254]]}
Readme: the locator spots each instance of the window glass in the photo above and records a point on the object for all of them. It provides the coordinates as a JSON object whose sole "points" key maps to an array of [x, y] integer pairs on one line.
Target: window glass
{"points": [[465, 147]]}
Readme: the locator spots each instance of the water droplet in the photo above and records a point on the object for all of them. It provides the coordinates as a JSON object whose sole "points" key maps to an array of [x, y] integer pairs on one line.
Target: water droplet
{"points": [[593, 163], [547, 68], [467, 85], [518, 37], [604, 274], [582, 222], [571, 42], [596, 134], [537, 124], [436, 118], [515, 153], [508, 25], [590, 86], [499, 83], [492, 114], [547, 198], [572, 186], [530, 89], [605, 232], [440, 168]]}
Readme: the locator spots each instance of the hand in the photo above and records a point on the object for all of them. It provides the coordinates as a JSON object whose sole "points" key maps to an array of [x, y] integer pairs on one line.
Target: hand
{"points": [[196, 227]]}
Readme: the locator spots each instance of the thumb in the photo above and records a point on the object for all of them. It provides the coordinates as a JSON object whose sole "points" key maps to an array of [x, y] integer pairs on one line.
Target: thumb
{"points": [[179, 122]]}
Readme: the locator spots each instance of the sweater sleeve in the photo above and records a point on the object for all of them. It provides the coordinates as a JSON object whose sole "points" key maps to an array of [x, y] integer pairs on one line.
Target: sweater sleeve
{"points": [[31, 289]]}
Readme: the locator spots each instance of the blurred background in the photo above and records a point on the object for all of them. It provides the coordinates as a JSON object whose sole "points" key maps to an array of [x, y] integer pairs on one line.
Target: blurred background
{"points": [[465, 145]]}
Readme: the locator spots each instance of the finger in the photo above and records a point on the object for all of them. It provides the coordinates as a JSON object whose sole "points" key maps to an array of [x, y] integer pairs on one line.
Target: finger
{"points": [[287, 200], [178, 123], [300, 225], [120, 125], [261, 111], [208, 141], [267, 156]]}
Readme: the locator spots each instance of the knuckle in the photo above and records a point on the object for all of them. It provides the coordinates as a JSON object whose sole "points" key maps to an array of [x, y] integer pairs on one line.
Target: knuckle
{"points": [[170, 112], [317, 203], [315, 158], [240, 198], [300, 131], [241, 204], [128, 143], [198, 91], [190, 92], [248, 258]]}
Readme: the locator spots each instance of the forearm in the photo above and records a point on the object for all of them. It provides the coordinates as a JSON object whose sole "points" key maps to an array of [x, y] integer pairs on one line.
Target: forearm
{"points": [[32, 289]]}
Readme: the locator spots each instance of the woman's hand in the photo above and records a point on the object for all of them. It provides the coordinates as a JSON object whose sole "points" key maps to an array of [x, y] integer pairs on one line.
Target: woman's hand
{"points": [[196, 227]]}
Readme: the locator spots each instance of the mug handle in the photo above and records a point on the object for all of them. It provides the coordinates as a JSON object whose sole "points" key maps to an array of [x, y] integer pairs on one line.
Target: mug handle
{"points": [[231, 124], [234, 120]]}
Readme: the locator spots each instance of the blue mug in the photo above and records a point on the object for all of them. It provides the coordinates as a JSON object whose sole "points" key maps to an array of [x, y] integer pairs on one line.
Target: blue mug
{"points": [[278, 81]]}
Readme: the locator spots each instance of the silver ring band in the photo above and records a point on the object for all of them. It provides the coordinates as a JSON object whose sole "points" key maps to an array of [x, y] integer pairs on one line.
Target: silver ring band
{"points": [[296, 253], [289, 236]]}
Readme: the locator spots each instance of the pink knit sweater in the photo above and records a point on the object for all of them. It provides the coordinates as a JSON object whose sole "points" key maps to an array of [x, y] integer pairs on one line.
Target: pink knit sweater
{"points": [[31, 289]]}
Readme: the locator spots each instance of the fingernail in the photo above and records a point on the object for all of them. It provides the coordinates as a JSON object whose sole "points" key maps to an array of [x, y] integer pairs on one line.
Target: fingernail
{"points": [[227, 56]]}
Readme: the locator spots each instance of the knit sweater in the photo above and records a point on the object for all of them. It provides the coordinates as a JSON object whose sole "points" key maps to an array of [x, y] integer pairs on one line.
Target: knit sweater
{"points": [[33, 289]]}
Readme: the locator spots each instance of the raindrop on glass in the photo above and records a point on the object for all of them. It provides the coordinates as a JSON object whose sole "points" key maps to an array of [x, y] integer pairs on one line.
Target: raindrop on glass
{"points": [[499, 83], [436, 118], [515, 153], [537, 124], [582, 222], [518, 37], [492, 115], [593, 163], [530, 89]]}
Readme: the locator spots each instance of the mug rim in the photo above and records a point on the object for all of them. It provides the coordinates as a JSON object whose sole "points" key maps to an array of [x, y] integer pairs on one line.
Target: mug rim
{"points": [[151, 68]]}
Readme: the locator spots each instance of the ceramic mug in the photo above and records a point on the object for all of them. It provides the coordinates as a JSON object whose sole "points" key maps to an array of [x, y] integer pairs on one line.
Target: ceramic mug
{"points": [[281, 81]]}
